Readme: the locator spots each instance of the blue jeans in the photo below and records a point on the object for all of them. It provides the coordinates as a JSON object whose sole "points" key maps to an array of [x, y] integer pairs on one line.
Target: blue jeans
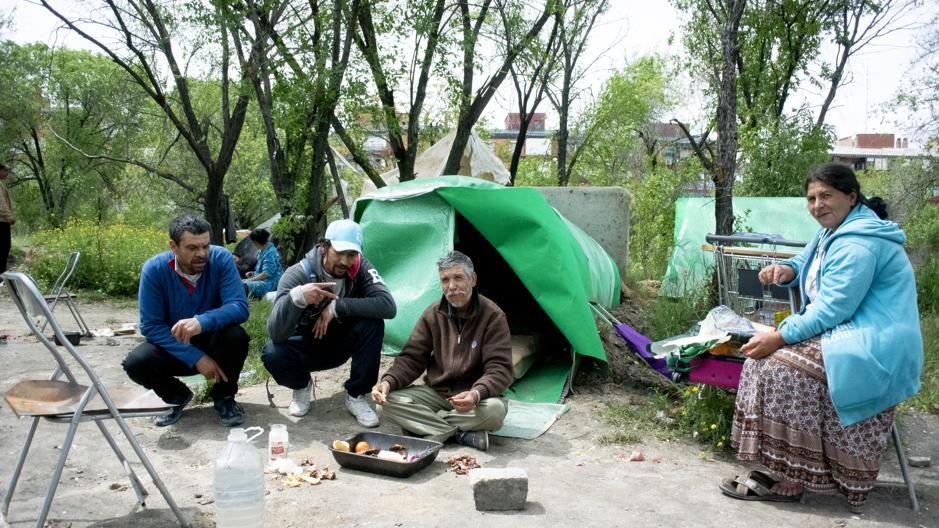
{"points": [[291, 361]]}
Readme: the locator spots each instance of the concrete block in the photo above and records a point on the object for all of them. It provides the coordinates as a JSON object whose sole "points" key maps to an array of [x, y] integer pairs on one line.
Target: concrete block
{"points": [[602, 212], [919, 461], [499, 489]]}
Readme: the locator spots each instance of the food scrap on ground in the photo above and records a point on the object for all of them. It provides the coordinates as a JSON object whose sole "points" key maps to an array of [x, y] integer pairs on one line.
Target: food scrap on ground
{"points": [[293, 475], [462, 464], [636, 456]]}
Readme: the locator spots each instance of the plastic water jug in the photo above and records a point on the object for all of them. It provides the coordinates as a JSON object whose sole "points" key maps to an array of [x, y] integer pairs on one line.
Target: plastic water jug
{"points": [[239, 482]]}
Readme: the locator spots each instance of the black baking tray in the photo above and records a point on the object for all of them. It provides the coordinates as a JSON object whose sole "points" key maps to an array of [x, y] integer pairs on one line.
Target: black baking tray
{"points": [[426, 450]]}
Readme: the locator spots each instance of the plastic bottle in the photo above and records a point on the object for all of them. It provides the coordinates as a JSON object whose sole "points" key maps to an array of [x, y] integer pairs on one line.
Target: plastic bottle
{"points": [[239, 482], [277, 442]]}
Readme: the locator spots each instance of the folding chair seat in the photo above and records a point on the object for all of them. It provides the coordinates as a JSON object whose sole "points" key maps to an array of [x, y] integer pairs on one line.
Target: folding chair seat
{"points": [[62, 399], [60, 292]]}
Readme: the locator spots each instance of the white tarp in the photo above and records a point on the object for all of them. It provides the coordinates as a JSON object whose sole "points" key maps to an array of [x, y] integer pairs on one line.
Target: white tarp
{"points": [[478, 162]]}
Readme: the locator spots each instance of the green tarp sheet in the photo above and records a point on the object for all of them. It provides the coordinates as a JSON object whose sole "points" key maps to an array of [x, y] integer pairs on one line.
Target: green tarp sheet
{"points": [[694, 219], [408, 226]]}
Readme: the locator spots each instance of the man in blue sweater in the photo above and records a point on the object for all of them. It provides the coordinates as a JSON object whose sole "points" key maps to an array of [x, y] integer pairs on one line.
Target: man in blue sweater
{"points": [[192, 304]]}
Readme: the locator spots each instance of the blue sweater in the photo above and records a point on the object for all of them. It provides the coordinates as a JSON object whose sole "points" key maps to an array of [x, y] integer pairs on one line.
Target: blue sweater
{"points": [[866, 314], [218, 300]]}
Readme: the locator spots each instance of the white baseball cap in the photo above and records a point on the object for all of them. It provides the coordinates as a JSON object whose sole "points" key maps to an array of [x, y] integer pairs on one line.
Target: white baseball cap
{"points": [[344, 235]]}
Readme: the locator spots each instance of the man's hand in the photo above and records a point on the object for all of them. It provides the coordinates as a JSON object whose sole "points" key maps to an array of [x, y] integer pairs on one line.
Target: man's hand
{"points": [[464, 401], [380, 392], [186, 329], [315, 292], [210, 369], [762, 344], [322, 323], [776, 274]]}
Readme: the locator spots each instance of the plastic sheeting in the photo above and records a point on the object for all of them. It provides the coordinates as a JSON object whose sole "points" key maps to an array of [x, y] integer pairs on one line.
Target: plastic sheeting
{"points": [[408, 226], [694, 218], [478, 161]]}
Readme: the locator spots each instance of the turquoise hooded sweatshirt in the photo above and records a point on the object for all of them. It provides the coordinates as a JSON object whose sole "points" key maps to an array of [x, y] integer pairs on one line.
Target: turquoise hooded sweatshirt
{"points": [[865, 312]]}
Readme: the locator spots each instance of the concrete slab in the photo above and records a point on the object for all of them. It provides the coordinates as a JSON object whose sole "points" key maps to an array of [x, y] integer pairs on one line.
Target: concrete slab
{"points": [[602, 212]]}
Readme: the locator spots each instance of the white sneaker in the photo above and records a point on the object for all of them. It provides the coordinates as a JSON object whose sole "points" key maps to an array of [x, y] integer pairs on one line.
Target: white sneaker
{"points": [[301, 401], [359, 408]]}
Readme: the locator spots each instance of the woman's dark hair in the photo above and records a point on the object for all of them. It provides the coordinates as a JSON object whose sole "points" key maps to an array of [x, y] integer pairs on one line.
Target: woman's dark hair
{"points": [[842, 177], [259, 235]]}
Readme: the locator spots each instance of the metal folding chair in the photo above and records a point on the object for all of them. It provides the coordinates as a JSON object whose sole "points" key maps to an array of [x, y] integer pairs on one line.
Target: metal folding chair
{"points": [[67, 401], [60, 292]]}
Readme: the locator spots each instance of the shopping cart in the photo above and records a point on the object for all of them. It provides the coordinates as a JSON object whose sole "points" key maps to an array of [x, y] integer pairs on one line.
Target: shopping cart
{"points": [[738, 259]]}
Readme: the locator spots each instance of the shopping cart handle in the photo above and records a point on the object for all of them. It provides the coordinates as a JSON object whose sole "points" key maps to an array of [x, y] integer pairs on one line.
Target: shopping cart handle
{"points": [[752, 238]]}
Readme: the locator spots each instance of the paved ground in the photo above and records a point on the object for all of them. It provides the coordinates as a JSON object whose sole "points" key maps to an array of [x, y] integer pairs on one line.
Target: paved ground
{"points": [[574, 480]]}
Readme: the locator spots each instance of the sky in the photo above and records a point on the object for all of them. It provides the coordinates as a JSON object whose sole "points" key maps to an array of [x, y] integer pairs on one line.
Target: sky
{"points": [[633, 28]]}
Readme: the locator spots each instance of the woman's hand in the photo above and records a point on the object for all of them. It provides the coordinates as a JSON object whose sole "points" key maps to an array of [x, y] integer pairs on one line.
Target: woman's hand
{"points": [[776, 274], [762, 344]]}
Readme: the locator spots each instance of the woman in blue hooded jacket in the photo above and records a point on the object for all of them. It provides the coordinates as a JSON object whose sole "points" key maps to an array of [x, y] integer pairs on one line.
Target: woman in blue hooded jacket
{"points": [[816, 396]]}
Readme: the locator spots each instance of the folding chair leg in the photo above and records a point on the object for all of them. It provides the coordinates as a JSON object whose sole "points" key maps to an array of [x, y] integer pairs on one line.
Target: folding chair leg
{"points": [[151, 470], [19, 467], [86, 332], [904, 468], [134, 481], [57, 471]]}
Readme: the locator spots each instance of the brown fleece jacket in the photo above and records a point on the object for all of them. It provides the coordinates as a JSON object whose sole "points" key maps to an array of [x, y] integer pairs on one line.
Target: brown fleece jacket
{"points": [[478, 357]]}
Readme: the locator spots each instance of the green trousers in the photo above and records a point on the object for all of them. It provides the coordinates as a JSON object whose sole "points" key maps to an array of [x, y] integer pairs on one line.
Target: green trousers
{"points": [[420, 410]]}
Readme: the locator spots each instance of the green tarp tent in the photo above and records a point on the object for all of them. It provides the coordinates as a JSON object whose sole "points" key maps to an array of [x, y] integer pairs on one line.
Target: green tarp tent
{"points": [[541, 269], [694, 219]]}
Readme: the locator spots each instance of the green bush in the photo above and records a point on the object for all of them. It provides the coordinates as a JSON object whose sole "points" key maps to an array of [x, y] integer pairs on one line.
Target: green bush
{"points": [[706, 412], [652, 226], [111, 255], [928, 397]]}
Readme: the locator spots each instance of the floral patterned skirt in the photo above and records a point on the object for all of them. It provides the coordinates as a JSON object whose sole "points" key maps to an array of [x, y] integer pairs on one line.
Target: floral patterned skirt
{"points": [[786, 421]]}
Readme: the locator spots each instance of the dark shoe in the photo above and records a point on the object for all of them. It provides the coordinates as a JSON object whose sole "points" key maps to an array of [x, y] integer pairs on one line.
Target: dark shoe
{"points": [[230, 411], [177, 413], [475, 439]]}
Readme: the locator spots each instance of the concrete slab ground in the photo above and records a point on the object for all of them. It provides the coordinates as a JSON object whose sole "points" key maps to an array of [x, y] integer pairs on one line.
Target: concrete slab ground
{"points": [[573, 479]]}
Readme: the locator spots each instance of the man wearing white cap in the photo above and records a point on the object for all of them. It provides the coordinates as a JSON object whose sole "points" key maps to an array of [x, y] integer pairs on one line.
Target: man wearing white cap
{"points": [[330, 307]]}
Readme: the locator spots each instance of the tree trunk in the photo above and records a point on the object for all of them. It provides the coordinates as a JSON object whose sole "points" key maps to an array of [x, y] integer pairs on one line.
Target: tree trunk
{"points": [[563, 133], [727, 121]]}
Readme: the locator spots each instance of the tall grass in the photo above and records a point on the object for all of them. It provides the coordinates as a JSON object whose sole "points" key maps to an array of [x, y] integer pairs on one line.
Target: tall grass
{"points": [[928, 397]]}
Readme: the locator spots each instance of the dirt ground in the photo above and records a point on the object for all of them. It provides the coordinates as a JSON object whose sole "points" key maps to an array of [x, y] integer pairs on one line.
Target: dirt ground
{"points": [[573, 479]]}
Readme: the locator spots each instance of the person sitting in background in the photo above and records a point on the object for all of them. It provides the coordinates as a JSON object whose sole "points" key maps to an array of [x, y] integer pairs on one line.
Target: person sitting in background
{"points": [[463, 344], [268, 269], [816, 397]]}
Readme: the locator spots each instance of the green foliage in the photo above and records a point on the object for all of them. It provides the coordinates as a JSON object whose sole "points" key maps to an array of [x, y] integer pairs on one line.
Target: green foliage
{"points": [[928, 397], [111, 255], [776, 159], [706, 413], [535, 172], [653, 216], [666, 316], [288, 230], [256, 327], [57, 101], [702, 412], [630, 100], [923, 244]]}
